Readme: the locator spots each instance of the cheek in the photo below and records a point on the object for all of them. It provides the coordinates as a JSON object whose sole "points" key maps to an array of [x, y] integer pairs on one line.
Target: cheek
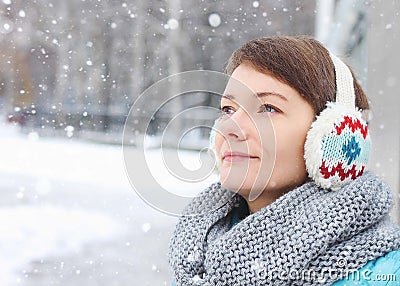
{"points": [[290, 146], [263, 138]]}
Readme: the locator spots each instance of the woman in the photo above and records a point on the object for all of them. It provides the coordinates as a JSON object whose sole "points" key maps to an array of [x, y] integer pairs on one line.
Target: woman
{"points": [[282, 220]]}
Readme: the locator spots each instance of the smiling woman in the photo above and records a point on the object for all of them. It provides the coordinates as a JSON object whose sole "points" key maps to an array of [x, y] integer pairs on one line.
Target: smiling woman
{"points": [[298, 206], [246, 126]]}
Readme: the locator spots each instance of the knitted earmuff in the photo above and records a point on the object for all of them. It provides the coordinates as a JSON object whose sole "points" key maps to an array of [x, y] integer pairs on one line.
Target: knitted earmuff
{"points": [[337, 145]]}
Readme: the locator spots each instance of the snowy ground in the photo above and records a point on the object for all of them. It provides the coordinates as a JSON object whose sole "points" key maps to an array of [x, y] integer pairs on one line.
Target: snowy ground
{"points": [[68, 215]]}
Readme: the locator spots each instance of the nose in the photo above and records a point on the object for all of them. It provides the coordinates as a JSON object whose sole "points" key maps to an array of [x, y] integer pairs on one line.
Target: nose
{"points": [[237, 126]]}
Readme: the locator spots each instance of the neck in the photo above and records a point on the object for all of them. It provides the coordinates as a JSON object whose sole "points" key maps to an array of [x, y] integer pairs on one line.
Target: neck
{"points": [[259, 203], [269, 195], [266, 198]]}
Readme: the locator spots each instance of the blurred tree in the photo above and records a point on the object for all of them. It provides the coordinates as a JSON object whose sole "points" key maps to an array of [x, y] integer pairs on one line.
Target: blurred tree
{"points": [[85, 62]]}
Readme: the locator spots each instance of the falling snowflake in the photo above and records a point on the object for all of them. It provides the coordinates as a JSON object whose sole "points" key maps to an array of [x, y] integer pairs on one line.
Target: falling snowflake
{"points": [[214, 20]]}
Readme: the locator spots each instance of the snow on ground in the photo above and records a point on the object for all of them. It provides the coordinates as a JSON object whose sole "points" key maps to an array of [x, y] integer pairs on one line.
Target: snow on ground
{"points": [[60, 159], [68, 215], [28, 233]]}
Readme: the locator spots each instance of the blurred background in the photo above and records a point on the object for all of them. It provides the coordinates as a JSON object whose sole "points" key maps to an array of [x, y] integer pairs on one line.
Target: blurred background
{"points": [[71, 70]]}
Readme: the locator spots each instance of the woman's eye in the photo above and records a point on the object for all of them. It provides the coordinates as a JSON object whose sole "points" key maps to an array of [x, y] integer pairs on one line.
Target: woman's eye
{"points": [[227, 110], [268, 108]]}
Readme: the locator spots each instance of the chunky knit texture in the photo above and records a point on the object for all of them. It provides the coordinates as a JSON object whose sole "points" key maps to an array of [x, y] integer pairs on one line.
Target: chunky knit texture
{"points": [[309, 228]]}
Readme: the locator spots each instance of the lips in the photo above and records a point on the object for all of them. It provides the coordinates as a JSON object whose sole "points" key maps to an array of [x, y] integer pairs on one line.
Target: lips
{"points": [[237, 157]]}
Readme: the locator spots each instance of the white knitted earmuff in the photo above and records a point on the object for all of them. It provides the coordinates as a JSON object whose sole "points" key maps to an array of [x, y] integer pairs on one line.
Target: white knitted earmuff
{"points": [[338, 144]]}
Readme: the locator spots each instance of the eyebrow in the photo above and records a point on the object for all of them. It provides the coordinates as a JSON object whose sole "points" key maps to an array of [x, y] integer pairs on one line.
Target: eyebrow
{"points": [[268, 93], [259, 94]]}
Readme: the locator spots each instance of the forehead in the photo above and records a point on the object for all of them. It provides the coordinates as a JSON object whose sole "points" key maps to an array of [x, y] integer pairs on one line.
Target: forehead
{"points": [[245, 80]]}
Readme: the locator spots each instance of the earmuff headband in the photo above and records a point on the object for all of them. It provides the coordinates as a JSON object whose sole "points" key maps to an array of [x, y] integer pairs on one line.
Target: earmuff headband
{"points": [[344, 83]]}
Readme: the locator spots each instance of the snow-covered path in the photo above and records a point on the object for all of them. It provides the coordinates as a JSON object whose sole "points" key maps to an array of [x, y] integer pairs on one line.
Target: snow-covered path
{"points": [[68, 215]]}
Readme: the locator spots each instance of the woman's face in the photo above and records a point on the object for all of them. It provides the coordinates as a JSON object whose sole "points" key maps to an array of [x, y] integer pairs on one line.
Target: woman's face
{"points": [[260, 135]]}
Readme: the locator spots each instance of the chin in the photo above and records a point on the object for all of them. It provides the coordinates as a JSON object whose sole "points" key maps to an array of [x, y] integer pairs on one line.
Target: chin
{"points": [[242, 188], [232, 184], [229, 185]]}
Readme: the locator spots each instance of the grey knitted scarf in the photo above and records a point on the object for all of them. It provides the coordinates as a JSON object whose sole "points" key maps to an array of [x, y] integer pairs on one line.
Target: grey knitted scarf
{"points": [[309, 236]]}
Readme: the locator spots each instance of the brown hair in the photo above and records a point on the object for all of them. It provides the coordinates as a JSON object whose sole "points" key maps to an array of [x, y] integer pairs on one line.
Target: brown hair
{"points": [[301, 62]]}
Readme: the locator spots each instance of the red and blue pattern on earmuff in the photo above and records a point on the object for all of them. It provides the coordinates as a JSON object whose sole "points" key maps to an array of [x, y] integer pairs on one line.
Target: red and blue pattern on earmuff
{"points": [[350, 159], [337, 146]]}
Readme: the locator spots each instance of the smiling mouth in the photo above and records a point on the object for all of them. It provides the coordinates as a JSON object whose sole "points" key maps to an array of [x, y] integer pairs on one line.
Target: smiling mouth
{"points": [[237, 157]]}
